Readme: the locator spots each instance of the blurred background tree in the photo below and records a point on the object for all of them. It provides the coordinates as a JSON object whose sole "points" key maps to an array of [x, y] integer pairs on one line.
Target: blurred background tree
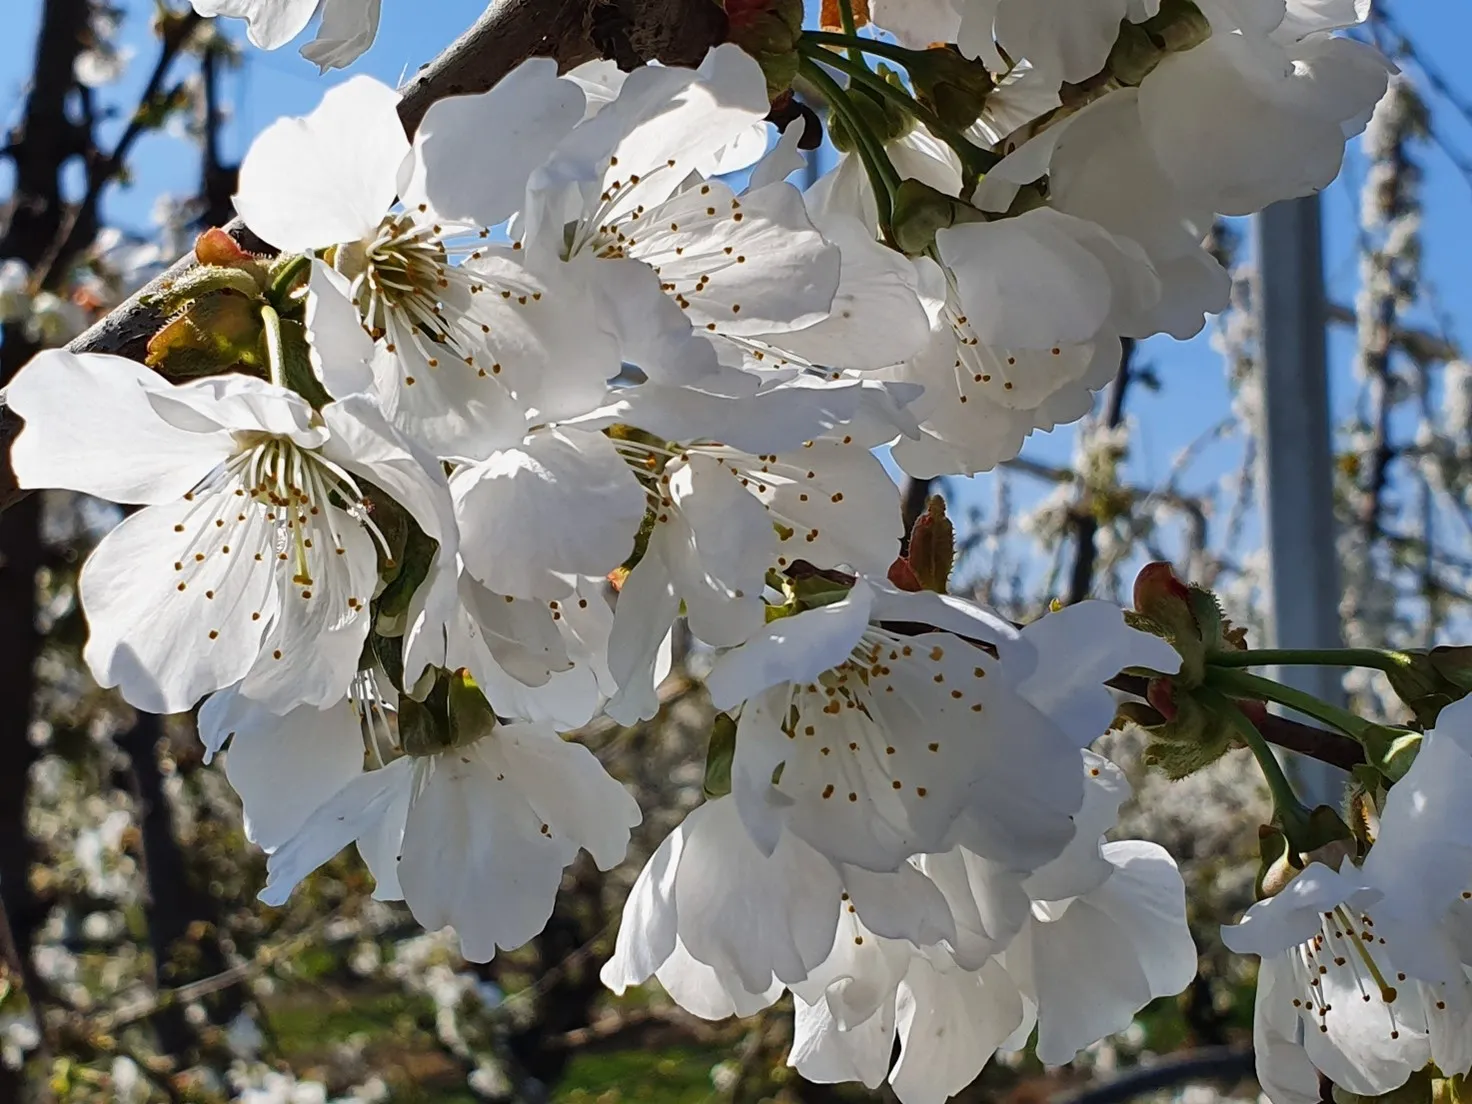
{"points": [[137, 965]]}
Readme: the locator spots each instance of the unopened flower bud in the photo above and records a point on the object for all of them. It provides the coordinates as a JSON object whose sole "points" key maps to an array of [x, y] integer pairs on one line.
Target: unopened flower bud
{"points": [[1178, 25], [768, 30], [952, 86], [932, 551], [920, 211], [1134, 56]]}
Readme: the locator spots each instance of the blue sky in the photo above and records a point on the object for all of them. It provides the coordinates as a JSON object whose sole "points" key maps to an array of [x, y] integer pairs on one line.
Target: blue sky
{"points": [[1194, 395]]}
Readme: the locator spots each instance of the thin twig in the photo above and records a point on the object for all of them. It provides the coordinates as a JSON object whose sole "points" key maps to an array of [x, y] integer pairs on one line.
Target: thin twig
{"points": [[100, 175]]}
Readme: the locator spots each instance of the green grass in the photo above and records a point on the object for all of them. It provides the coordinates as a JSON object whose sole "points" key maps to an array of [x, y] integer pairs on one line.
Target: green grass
{"points": [[678, 1075]]}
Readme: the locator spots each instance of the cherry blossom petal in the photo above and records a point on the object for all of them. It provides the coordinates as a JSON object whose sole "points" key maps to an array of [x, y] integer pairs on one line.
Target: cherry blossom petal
{"points": [[328, 177], [564, 503], [84, 412]]}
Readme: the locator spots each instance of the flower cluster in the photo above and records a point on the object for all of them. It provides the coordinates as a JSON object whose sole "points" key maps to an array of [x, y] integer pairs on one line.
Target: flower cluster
{"points": [[579, 334]]}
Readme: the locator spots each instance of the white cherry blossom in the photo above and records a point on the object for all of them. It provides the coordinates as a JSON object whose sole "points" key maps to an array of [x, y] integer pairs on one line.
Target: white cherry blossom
{"points": [[475, 837], [627, 186], [254, 558], [461, 354], [892, 745], [1364, 970]]}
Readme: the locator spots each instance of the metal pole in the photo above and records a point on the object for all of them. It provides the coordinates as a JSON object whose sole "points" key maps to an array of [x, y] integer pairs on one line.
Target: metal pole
{"points": [[1298, 461]]}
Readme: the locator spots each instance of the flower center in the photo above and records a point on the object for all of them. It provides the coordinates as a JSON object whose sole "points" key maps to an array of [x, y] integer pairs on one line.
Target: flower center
{"points": [[411, 294], [1348, 955], [271, 499]]}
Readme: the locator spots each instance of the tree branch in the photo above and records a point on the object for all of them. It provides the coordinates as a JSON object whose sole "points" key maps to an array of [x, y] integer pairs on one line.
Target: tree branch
{"points": [[1218, 1063], [1085, 517]]}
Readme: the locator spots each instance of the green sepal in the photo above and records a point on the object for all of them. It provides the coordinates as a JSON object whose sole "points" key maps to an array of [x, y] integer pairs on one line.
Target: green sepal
{"points": [[720, 752], [424, 726], [409, 572], [1429, 681], [952, 86], [1417, 1090], [920, 211], [471, 716], [213, 335], [296, 354]]}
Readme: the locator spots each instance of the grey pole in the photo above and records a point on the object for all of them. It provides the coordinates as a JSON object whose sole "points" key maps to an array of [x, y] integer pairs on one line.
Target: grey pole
{"points": [[1298, 461]]}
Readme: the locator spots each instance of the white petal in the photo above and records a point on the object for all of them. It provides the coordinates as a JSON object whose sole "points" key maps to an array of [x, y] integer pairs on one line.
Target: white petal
{"points": [[875, 319], [564, 503], [1074, 650], [1283, 1069], [1292, 917], [826, 1054], [832, 502], [652, 330], [650, 925], [473, 154], [1423, 852], [270, 23], [948, 756], [1082, 866], [750, 915], [985, 899], [702, 991], [283, 767], [341, 350], [663, 115], [165, 648], [751, 265], [944, 612], [348, 28], [950, 1025], [784, 159], [904, 904], [717, 544], [647, 606], [379, 844], [1062, 39], [567, 785], [1025, 282], [791, 649], [329, 177], [365, 443], [475, 856], [1146, 897], [918, 23], [311, 651], [355, 810], [83, 412]]}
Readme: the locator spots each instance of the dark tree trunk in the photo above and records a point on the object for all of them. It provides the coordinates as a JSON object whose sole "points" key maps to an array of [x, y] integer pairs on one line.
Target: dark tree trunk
{"points": [[40, 145]]}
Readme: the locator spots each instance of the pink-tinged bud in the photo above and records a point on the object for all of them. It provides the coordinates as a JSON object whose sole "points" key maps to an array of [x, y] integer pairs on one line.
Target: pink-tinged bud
{"points": [[933, 546], [1161, 694], [215, 247], [902, 575], [1157, 583]]}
